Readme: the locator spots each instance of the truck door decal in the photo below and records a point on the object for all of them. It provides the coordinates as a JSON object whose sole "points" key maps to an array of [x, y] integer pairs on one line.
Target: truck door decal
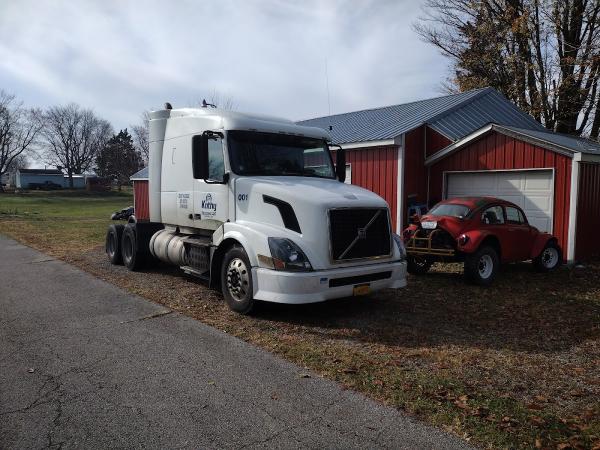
{"points": [[208, 206]]}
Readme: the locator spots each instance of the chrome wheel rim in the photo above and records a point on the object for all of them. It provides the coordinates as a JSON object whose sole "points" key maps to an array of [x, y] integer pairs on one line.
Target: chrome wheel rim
{"points": [[550, 257], [238, 279], [485, 266]]}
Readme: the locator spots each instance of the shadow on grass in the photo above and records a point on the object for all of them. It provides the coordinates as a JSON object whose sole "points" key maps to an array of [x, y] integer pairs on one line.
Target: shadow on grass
{"points": [[523, 311]]}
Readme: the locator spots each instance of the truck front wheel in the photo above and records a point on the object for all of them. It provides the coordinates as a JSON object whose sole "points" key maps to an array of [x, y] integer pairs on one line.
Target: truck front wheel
{"points": [[236, 280]]}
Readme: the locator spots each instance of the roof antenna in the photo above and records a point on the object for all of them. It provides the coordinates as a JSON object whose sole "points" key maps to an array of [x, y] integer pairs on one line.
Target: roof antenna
{"points": [[327, 85], [205, 104]]}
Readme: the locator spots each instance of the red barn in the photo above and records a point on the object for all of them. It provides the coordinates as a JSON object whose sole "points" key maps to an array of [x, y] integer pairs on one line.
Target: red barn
{"points": [[474, 143], [141, 199]]}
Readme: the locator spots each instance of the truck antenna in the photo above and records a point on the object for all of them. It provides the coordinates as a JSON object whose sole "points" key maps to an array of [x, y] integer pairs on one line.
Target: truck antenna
{"points": [[327, 85], [205, 104]]}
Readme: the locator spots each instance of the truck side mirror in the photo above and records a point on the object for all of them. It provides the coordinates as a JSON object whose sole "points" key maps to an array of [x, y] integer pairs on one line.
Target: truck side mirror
{"points": [[340, 164], [200, 156]]}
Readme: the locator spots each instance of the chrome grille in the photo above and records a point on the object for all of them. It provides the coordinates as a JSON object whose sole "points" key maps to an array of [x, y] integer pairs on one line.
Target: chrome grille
{"points": [[358, 233]]}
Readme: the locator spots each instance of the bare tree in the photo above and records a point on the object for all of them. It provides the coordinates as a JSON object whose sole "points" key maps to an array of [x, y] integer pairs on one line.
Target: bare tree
{"points": [[542, 54], [141, 136], [73, 137], [19, 129]]}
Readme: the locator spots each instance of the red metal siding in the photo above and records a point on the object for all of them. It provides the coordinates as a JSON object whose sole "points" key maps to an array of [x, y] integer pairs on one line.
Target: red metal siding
{"points": [[498, 152], [141, 201], [587, 243], [435, 141], [376, 169]]}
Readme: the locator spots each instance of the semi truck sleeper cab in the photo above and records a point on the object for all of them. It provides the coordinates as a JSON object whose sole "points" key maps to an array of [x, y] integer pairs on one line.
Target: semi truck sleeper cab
{"points": [[256, 206]]}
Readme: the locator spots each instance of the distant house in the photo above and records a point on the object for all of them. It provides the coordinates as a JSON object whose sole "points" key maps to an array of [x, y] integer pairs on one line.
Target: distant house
{"points": [[79, 181], [24, 178]]}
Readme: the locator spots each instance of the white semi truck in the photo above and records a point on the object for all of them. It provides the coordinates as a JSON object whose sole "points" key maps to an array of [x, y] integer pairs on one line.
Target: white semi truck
{"points": [[255, 205]]}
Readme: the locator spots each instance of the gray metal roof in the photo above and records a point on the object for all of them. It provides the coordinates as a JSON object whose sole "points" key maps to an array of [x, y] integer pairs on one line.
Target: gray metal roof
{"points": [[455, 116], [573, 143], [140, 175]]}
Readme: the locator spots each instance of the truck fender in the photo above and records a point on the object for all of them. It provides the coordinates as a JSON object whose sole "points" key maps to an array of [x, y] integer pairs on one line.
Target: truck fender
{"points": [[475, 238], [540, 242], [243, 241]]}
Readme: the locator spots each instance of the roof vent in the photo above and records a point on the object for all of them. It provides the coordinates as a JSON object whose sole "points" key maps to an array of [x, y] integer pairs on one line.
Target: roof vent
{"points": [[168, 106]]}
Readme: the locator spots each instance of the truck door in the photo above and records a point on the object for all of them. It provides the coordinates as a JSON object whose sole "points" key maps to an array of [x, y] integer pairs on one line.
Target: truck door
{"points": [[211, 195]]}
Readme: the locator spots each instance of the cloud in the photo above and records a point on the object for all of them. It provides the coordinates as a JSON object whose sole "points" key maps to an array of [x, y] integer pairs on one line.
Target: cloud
{"points": [[269, 55]]}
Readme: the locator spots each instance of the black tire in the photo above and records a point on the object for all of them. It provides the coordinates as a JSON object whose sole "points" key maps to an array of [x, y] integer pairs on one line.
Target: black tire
{"points": [[112, 247], [482, 266], [549, 259], [132, 258], [236, 280], [418, 265]]}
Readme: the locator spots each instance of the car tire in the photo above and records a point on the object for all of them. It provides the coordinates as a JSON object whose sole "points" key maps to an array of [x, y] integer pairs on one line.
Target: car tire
{"points": [[482, 266], [549, 259], [236, 281], [114, 235], [132, 258], [418, 265]]}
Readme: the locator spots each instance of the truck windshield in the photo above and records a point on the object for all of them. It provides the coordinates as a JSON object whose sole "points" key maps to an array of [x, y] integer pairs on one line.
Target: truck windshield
{"points": [[255, 153]]}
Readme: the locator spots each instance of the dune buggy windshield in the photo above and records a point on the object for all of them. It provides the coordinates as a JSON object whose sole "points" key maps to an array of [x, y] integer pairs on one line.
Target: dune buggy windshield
{"points": [[269, 154], [449, 210]]}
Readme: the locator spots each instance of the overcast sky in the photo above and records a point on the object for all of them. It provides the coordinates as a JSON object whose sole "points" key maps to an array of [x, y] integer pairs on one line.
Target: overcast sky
{"points": [[270, 56]]}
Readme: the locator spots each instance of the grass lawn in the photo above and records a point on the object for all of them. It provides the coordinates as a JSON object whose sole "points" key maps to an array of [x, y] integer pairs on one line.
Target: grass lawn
{"points": [[512, 366], [60, 222]]}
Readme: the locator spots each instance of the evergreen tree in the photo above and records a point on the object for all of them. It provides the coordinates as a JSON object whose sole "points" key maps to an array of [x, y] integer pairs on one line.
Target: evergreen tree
{"points": [[119, 159]]}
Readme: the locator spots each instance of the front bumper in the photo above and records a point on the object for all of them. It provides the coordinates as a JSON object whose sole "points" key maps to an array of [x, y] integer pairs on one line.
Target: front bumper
{"points": [[311, 287]]}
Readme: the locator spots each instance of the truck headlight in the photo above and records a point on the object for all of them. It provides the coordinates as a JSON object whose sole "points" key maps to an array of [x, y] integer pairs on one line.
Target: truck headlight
{"points": [[400, 245], [286, 255]]}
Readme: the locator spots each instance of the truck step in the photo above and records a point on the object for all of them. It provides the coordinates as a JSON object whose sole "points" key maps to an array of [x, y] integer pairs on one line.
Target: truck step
{"points": [[203, 275]]}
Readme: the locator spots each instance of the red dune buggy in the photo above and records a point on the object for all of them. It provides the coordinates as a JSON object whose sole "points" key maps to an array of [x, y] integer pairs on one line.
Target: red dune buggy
{"points": [[482, 232]]}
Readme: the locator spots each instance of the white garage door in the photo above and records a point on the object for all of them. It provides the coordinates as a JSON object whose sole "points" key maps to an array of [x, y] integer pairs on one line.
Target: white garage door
{"points": [[532, 190]]}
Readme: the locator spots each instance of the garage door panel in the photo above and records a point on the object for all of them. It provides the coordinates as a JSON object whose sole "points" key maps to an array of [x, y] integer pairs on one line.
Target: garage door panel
{"points": [[532, 190], [509, 183], [541, 223], [538, 181], [537, 203]]}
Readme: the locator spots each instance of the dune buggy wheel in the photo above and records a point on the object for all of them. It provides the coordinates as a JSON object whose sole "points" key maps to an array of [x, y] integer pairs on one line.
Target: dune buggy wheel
{"points": [[418, 265], [549, 259], [236, 281], [482, 266], [112, 247]]}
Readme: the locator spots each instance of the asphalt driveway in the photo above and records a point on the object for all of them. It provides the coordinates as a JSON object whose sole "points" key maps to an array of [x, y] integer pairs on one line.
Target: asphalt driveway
{"points": [[85, 364]]}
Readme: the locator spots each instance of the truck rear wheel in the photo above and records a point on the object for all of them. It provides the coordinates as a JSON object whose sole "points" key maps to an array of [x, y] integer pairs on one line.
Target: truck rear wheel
{"points": [[132, 258], [481, 267], [113, 243], [236, 281]]}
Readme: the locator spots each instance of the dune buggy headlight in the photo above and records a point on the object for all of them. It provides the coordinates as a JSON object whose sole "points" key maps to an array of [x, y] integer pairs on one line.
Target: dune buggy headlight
{"points": [[286, 255], [400, 244]]}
